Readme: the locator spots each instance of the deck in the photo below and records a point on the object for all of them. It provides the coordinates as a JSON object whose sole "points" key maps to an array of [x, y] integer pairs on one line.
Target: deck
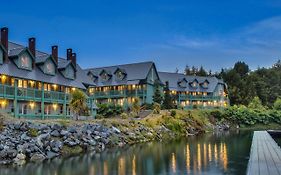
{"points": [[265, 156]]}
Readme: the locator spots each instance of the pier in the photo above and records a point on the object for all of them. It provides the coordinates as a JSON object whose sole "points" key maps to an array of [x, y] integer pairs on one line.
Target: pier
{"points": [[265, 156]]}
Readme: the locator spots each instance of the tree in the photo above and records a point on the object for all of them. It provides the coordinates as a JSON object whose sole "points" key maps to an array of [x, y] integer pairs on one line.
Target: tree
{"points": [[201, 72], [241, 68], [187, 70], [168, 100], [277, 104], [136, 106], [157, 97], [256, 103], [193, 71], [78, 103]]}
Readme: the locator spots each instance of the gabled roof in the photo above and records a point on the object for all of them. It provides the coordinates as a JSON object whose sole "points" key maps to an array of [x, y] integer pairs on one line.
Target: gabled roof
{"points": [[173, 78], [135, 72], [36, 74]]}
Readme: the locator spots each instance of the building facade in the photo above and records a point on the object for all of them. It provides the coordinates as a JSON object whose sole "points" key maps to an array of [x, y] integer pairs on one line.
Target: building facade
{"points": [[36, 84], [122, 84], [195, 91]]}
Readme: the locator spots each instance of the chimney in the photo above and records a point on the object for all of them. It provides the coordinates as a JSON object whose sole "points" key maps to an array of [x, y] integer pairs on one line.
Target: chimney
{"points": [[69, 54], [31, 46], [55, 53], [4, 41], [74, 59]]}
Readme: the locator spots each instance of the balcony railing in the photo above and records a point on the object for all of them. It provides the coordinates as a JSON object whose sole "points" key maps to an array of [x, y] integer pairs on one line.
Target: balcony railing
{"points": [[115, 93], [7, 91], [200, 97]]}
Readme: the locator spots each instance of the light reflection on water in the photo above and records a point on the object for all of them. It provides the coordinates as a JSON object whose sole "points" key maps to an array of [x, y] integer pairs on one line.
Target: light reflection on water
{"points": [[206, 154]]}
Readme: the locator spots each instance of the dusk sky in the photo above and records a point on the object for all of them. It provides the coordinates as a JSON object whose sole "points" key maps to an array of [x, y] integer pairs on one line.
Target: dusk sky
{"points": [[172, 33]]}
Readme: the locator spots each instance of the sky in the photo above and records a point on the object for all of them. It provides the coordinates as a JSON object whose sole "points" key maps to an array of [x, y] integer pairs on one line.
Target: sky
{"points": [[172, 33]]}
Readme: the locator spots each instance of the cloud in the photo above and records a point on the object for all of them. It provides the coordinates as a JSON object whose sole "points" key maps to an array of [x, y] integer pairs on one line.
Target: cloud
{"points": [[258, 44]]}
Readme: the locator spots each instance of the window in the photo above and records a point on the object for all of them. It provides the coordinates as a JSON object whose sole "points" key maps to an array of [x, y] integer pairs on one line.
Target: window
{"points": [[25, 61], [49, 67], [120, 75], [194, 84]]}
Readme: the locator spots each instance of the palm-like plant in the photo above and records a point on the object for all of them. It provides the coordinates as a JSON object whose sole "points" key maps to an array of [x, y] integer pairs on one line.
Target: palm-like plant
{"points": [[78, 103]]}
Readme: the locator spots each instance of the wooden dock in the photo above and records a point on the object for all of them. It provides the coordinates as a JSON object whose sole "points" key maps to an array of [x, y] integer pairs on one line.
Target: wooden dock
{"points": [[265, 156]]}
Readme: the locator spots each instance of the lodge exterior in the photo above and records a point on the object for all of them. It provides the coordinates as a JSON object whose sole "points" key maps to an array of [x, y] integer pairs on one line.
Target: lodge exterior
{"points": [[122, 84], [195, 91], [36, 84]]}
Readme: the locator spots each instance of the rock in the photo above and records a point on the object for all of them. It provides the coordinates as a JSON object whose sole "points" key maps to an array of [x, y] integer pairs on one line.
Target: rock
{"points": [[72, 129], [70, 143], [40, 138], [56, 145], [116, 130], [56, 127], [21, 156], [11, 153], [51, 154], [24, 137], [55, 133], [64, 133], [37, 157]]}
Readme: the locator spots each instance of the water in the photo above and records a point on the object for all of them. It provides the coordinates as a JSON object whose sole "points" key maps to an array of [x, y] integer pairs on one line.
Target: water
{"points": [[223, 153]]}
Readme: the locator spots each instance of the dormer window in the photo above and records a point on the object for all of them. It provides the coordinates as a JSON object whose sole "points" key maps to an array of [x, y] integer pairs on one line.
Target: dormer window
{"points": [[182, 83], [120, 74], [92, 76], [205, 84], [194, 84], [104, 75], [49, 67], [25, 61]]}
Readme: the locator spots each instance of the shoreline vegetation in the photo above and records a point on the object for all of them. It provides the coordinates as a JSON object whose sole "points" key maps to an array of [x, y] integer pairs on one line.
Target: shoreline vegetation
{"points": [[23, 140]]}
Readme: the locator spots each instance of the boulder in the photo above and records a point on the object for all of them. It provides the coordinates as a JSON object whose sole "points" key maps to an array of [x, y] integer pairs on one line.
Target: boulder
{"points": [[116, 130], [55, 133], [37, 157], [51, 154]]}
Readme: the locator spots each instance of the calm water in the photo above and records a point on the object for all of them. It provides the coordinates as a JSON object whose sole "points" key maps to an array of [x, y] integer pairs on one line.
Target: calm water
{"points": [[226, 153]]}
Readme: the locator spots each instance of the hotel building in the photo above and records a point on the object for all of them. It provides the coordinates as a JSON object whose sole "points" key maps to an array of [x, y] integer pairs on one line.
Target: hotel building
{"points": [[38, 84]]}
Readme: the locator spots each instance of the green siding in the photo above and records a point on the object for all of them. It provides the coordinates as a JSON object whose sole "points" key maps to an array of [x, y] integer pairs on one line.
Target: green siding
{"points": [[49, 67], [24, 61], [69, 72], [149, 93]]}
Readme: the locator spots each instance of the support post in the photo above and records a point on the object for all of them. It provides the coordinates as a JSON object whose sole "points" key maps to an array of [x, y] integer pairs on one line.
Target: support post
{"points": [[64, 105], [42, 101], [16, 109]]}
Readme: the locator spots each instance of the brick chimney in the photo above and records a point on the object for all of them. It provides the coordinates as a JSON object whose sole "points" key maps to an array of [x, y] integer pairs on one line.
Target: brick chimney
{"points": [[69, 54], [32, 46], [55, 53], [4, 41], [74, 59]]}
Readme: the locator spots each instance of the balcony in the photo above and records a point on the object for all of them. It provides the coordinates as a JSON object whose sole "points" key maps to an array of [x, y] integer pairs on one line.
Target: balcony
{"points": [[116, 94], [30, 94], [200, 97]]}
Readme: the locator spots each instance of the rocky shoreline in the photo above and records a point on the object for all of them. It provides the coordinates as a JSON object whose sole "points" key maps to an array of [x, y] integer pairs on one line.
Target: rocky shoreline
{"points": [[24, 141]]}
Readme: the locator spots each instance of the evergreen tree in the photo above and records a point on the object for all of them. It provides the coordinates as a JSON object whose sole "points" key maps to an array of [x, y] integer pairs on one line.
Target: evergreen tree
{"points": [[187, 70], [168, 100], [193, 71], [157, 97], [202, 72]]}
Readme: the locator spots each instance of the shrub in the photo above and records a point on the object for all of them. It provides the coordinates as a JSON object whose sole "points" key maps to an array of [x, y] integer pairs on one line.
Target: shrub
{"points": [[109, 110], [173, 113], [136, 105], [32, 132], [156, 108], [256, 104], [124, 115], [277, 104]]}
